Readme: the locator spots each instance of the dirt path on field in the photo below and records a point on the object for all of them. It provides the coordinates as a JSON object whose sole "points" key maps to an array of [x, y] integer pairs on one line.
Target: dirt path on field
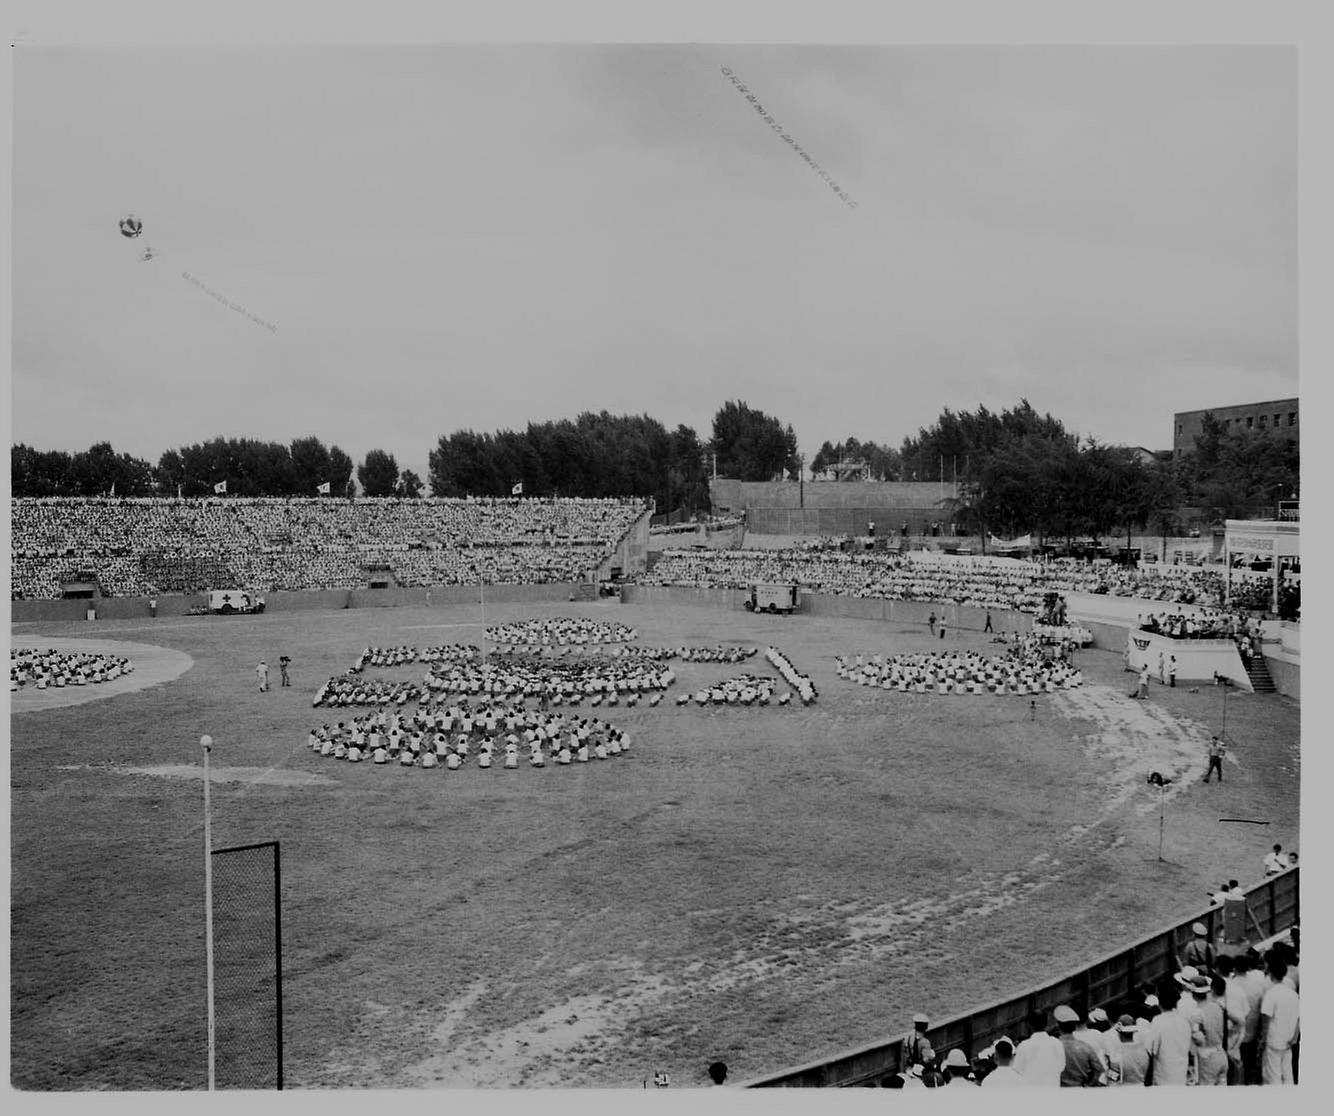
{"points": [[153, 665], [1129, 739]]}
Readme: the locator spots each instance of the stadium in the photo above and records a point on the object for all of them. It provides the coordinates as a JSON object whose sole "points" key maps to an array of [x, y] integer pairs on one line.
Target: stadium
{"points": [[758, 884], [560, 566]]}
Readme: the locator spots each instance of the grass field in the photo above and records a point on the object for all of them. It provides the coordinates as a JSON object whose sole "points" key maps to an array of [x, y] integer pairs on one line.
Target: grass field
{"points": [[762, 886]]}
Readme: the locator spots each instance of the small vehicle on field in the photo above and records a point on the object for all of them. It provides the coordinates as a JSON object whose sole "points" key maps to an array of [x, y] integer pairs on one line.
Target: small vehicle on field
{"points": [[226, 602], [771, 597]]}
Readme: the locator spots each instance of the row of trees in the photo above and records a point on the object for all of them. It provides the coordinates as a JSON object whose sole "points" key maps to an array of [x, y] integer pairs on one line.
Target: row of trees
{"points": [[248, 466], [1020, 472]]}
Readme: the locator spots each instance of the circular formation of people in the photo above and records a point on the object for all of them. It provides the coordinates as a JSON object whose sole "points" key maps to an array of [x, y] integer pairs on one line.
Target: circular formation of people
{"points": [[447, 738], [560, 631], [1022, 670], [48, 668]]}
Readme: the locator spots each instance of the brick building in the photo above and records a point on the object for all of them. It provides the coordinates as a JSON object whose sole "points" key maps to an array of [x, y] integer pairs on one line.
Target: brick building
{"points": [[1275, 416]]}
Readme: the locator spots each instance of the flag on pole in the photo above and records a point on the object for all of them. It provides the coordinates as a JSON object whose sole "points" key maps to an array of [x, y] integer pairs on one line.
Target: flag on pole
{"points": [[220, 488], [517, 490], [323, 489]]}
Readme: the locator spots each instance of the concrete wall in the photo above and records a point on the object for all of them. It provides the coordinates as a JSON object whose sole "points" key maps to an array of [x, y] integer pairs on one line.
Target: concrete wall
{"points": [[735, 495], [1197, 659], [1287, 676]]}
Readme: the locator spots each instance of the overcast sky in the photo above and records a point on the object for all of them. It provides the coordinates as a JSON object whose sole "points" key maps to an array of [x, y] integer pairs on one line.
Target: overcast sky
{"points": [[477, 237]]}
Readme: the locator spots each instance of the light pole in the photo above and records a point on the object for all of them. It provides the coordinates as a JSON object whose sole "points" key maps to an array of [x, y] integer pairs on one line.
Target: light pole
{"points": [[207, 743]]}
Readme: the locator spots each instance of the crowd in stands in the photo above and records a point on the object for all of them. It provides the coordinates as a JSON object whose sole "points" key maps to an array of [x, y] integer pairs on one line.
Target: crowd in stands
{"points": [[560, 631], [48, 668], [971, 582], [1235, 1021], [1023, 670], [448, 737], [141, 547]]}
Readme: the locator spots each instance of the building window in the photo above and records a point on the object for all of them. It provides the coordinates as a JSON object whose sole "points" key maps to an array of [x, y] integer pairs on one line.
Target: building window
{"points": [[1278, 421], [1227, 425], [1178, 430], [1250, 422], [1262, 421], [1292, 418]]}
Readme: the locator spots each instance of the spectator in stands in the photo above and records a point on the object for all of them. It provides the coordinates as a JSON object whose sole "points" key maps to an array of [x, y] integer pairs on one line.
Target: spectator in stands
{"points": [[1083, 1065], [1280, 1024], [1004, 1076], [1040, 1058], [1198, 951], [1168, 1040], [1233, 996], [914, 1046], [1207, 1031], [957, 1068], [1131, 1061]]}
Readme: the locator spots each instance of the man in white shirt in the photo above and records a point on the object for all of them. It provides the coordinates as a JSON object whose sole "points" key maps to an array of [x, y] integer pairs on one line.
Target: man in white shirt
{"points": [[1280, 1026], [1040, 1058], [1276, 862], [1004, 1076]]}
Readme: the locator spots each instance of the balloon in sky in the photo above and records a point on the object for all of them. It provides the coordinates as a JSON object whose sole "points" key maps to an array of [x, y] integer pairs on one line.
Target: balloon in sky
{"points": [[131, 226]]}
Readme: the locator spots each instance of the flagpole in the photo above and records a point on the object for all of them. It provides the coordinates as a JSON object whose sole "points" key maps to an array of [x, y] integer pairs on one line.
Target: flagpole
{"points": [[207, 743]]}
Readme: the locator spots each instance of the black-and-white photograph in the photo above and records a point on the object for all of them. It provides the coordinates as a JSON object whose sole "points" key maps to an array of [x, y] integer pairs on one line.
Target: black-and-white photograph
{"points": [[809, 530]]}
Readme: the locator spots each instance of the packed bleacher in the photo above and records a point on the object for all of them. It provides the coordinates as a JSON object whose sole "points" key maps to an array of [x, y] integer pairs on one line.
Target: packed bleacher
{"points": [[979, 582], [46, 668], [141, 547]]}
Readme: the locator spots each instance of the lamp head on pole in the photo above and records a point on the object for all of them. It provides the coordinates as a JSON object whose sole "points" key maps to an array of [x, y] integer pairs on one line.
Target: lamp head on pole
{"points": [[207, 742]]}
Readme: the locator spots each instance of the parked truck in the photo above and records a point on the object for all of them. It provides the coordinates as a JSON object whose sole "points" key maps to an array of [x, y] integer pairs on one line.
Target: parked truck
{"points": [[772, 597]]}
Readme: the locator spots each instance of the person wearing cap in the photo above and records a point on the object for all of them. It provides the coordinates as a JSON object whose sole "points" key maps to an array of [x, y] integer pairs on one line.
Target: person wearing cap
{"points": [[1083, 1065], [1207, 1032], [957, 1067], [1102, 1038], [1280, 1024], [1198, 953], [1168, 1040], [914, 1045], [1131, 1062], [1004, 1076]]}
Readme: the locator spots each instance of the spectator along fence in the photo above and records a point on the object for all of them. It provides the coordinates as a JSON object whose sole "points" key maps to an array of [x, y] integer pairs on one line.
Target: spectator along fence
{"points": [[1271, 907]]}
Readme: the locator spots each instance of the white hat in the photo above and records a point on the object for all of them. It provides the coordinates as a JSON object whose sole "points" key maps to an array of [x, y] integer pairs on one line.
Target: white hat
{"points": [[1065, 1014], [957, 1059]]}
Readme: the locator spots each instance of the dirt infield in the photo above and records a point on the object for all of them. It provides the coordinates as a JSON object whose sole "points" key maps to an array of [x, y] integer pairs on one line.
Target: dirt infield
{"points": [[153, 665]]}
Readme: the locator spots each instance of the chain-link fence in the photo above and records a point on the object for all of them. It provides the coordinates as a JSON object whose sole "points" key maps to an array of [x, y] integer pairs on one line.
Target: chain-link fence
{"points": [[247, 967]]}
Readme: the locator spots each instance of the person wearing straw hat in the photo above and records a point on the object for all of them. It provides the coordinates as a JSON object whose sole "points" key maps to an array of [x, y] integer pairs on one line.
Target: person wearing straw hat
{"points": [[1131, 1063], [957, 1068], [1198, 953]]}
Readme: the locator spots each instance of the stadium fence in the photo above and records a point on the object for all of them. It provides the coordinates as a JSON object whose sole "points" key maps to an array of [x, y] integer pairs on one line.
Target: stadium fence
{"points": [[1272, 907]]}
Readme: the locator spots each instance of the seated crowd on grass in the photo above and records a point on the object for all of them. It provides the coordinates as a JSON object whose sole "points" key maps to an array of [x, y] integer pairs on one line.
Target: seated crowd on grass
{"points": [[560, 631], [48, 668], [448, 737], [1023, 670], [143, 547]]}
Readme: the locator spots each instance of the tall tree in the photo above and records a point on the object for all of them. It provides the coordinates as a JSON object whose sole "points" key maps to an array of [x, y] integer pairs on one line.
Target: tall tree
{"points": [[378, 473], [753, 446], [340, 473], [409, 485], [310, 465]]}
